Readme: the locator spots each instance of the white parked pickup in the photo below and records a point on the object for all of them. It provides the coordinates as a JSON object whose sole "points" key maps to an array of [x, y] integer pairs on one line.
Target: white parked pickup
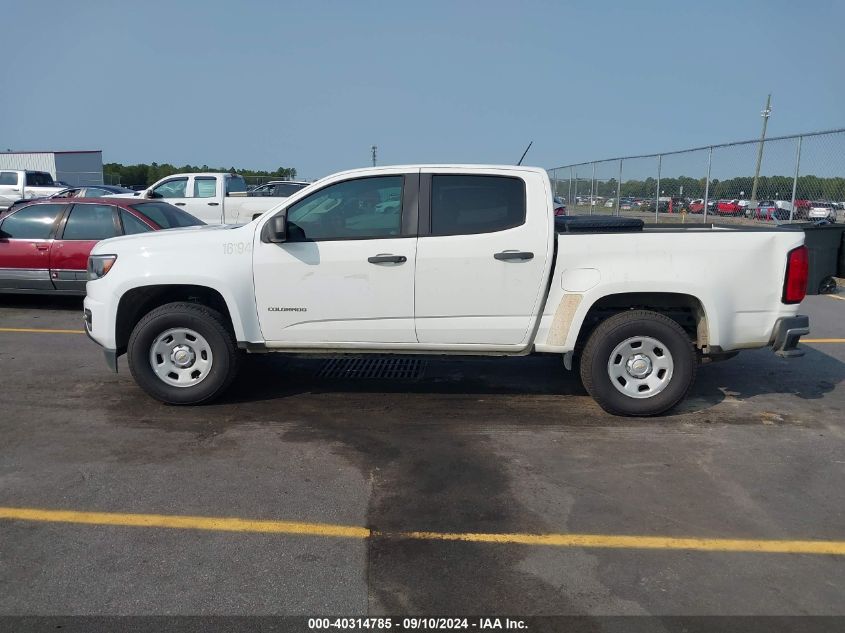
{"points": [[214, 198], [20, 184], [445, 260]]}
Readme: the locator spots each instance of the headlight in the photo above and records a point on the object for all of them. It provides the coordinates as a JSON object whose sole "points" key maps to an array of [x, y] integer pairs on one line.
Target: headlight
{"points": [[99, 265]]}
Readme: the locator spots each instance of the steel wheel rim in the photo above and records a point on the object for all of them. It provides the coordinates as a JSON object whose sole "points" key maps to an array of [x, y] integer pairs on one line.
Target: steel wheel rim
{"points": [[181, 357], [640, 367]]}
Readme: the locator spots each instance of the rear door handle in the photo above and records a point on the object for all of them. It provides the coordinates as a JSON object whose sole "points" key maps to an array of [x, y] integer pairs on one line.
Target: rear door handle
{"points": [[179, 204], [387, 259], [214, 204], [42, 247], [508, 255]]}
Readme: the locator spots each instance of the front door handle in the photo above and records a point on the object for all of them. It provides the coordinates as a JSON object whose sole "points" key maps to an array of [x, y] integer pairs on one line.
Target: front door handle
{"points": [[508, 255], [42, 247], [387, 259], [214, 204], [179, 204]]}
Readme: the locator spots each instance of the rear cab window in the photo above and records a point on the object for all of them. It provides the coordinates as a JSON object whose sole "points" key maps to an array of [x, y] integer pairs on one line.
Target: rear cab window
{"points": [[39, 179], [467, 204], [235, 184]]}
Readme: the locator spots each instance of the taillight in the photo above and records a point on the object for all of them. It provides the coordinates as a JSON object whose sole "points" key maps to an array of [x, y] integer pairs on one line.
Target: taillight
{"points": [[797, 271], [560, 211]]}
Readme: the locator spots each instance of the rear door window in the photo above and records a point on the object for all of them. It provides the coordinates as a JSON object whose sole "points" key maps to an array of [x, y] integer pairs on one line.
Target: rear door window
{"points": [[205, 187], [8, 178], [464, 205], [90, 222], [34, 222]]}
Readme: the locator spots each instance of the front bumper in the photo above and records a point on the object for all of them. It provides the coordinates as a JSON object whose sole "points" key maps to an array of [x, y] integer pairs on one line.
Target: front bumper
{"points": [[788, 330], [110, 354]]}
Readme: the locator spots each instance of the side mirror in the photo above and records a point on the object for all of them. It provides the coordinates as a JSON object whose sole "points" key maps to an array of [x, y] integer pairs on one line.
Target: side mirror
{"points": [[275, 231]]}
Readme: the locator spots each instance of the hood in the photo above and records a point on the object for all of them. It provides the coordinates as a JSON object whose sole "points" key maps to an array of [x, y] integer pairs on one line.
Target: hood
{"points": [[185, 238]]}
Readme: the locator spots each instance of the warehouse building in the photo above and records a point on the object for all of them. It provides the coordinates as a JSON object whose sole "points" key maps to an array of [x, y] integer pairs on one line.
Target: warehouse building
{"points": [[75, 168]]}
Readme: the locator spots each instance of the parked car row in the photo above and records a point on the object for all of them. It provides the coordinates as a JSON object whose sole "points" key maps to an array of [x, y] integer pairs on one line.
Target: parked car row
{"points": [[767, 210]]}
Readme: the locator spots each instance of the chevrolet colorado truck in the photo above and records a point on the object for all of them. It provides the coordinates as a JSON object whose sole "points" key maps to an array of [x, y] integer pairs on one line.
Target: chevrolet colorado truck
{"points": [[463, 260]]}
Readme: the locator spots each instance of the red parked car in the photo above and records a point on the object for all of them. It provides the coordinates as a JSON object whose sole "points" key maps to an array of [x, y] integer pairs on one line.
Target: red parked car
{"points": [[44, 246], [729, 207]]}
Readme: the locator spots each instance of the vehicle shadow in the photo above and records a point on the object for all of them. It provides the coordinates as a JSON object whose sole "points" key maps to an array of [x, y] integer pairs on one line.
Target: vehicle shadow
{"points": [[537, 378], [41, 302]]}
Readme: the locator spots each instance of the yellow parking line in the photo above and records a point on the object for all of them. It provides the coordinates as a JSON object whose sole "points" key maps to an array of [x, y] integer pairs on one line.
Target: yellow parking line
{"points": [[612, 541], [823, 340], [218, 524], [606, 541], [30, 330], [836, 297]]}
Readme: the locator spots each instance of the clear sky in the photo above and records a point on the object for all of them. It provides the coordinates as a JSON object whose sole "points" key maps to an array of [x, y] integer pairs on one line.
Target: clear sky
{"points": [[314, 84]]}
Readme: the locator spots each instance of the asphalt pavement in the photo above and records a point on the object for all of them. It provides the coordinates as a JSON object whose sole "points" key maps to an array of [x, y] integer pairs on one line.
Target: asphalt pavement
{"points": [[466, 447]]}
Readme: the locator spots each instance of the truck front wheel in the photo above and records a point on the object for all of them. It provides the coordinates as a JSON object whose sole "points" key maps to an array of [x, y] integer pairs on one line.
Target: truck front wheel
{"points": [[183, 353], [638, 363]]}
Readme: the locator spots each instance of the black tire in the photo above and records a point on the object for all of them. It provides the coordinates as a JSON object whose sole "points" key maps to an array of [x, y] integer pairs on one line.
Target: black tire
{"points": [[203, 320], [827, 286], [614, 331]]}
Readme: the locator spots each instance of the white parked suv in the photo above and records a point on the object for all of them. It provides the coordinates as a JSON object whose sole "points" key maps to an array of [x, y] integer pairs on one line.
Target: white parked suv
{"points": [[822, 211], [445, 260], [22, 184]]}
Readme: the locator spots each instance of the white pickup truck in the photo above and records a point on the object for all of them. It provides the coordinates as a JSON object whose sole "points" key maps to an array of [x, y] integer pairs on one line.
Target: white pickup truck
{"points": [[444, 260], [214, 198], [21, 184]]}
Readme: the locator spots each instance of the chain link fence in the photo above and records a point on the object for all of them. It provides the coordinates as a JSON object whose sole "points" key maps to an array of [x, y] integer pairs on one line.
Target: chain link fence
{"points": [[781, 179]]}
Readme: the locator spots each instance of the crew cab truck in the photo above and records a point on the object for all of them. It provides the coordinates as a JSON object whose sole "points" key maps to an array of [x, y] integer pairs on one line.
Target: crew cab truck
{"points": [[444, 260], [20, 184], [214, 198]]}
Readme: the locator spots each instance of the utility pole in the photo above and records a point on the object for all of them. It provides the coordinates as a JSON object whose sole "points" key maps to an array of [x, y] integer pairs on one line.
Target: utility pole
{"points": [[765, 114], [375, 149]]}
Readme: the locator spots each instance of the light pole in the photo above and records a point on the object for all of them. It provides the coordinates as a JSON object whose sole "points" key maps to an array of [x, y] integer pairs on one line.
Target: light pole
{"points": [[374, 148], [765, 114]]}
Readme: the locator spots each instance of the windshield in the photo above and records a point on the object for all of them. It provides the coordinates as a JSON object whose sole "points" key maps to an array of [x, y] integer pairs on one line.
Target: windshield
{"points": [[166, 215]]}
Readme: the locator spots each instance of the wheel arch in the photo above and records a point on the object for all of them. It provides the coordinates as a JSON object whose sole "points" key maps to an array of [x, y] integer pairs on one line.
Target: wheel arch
{"points": [[687, 310], [140, 300]]}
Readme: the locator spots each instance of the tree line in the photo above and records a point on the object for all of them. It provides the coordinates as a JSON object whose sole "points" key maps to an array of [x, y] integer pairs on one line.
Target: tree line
{"points": [[143, 175], [768, 187]]}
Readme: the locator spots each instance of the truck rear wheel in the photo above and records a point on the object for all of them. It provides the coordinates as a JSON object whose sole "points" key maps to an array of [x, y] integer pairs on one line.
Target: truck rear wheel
{"points": [[183, 353], [638, 363]]}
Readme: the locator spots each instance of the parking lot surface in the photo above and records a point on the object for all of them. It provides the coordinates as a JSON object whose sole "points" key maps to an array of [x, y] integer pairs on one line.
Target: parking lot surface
{"points": [[417, 468]]}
